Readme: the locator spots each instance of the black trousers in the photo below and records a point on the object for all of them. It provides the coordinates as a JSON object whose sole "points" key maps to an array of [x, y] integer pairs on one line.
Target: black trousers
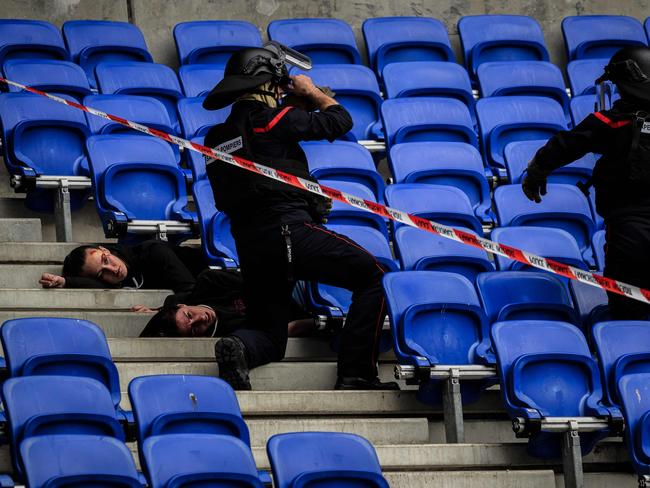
{"points": [[627, 259], [321, 255]]}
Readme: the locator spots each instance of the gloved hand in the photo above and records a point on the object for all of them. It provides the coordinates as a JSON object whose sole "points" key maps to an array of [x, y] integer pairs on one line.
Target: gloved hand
{"points": [[534, 184]]}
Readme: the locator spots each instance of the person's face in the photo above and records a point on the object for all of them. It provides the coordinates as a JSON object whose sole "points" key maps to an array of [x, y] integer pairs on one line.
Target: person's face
{"points": [[194, 321], [104, 266]]}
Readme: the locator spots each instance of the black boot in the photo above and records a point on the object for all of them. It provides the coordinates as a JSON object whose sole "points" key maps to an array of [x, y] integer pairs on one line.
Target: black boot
{"points": [[353, 383], [233, 367]]}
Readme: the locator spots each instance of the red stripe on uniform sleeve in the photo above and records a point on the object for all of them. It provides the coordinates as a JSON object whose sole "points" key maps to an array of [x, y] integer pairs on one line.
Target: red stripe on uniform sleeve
{"points": [[274, 121], [610, 122]]}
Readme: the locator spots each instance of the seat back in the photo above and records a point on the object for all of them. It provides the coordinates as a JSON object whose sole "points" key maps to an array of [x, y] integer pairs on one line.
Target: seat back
{"points": [[405, 39], [50, 75], [56, 460], [600, 36], [197, 121], [325, 41], [436, 316], [590, 302], [583, 73], [598, 243], [343, 213], [35, 39], [582, 106], [303, 459], [198, 80], [634, 390], [213, 41]]}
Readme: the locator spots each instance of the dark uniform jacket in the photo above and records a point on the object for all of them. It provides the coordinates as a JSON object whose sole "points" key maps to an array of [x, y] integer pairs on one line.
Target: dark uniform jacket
{"points": [[608, 132]]}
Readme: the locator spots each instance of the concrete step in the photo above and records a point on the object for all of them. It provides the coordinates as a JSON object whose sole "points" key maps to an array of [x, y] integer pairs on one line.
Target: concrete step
{"points": [[114, 324], [603, 480], [542, 478], [63, 299], [20, 230], [24, 275], [35, 252]]}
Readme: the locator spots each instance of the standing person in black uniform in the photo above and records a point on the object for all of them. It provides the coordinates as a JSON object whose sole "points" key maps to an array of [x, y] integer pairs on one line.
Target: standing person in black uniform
{"points": [[621, 177], [277, 227]]}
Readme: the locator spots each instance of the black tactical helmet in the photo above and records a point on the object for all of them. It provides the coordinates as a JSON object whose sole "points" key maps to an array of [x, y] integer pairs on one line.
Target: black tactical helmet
{"points": [[629, 70]]}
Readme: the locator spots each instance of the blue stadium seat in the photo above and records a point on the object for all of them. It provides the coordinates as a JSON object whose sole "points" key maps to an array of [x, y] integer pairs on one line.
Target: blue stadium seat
{"points": [[213, 41], [441, 203], [487, 38], [405, 39], [583, 73], [35, 39], [519, 295], [517, 118], [344, 161], [519, 153], [343, 213], [429, 79], [564, 207], [357, 90], [43, 405], [444, 163], [600, 36], [140, 109], [199, 460], [56, 460], [534, 78], [436, 318], [214, 226], [147, 79], [598, 243], [582, 106], [427, 119], [197, 121], [91, 42], [59, 346], [634, 390], [547, 242], [591, 304], [198, 79], [325, 41], [324, 459], [50, 75], [546, 370], [423, 251], [138, 183], [623, 348], [196, 161]]}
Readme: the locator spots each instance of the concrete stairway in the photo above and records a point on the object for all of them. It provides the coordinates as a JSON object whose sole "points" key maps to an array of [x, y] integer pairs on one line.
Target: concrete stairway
{"points": [[295, 394]]}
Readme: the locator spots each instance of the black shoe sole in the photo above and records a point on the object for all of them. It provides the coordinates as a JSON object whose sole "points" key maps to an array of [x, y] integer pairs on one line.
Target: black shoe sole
{"points": [[233, 368]]}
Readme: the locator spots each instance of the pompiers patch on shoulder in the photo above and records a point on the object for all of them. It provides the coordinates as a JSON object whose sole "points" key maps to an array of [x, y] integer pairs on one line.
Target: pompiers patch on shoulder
{"points": [[646, 128], [230, 146]]}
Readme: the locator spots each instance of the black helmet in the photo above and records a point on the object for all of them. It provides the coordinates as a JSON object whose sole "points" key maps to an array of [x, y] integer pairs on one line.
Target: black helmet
{"points": [[245, 70], [629, 70]]}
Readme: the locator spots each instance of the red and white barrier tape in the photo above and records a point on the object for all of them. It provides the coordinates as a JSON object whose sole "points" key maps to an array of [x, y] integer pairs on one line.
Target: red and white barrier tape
{"points": [[458, 235]]}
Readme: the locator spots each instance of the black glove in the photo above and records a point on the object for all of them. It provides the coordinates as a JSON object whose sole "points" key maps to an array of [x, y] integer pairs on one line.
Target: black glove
{"points": [[320, 207], [534, 184]]}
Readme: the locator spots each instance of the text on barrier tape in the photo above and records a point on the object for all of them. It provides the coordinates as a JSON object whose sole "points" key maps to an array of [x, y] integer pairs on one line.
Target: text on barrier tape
{"points": [[458, 235]]}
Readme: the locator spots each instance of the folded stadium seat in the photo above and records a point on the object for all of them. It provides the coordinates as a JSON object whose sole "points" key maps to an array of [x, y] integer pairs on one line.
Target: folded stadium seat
{"points": [[582, 74], [443, 204], [357, 90], [546, 371], [405, 39], [325, 41], [591, 304], [519, 295], [140, 109], [53, 404], [423, 251], [139, 189], [323, 459], [582, 106], [199, 460], [598, 243], [53, 460], [600, 36], [195, 120], [217, 241], [634, 390], [147, 79], [444, 163], [564, 207], [623, 348], [35, 128], [427, 119], [60, 346], [342, 213], [486, 38], [437, 319], [50, 75], [213, 41], [551, 243], [344, 161], [91, 42], [517, 118], [196, 161], [429, 79], [519, 153], [198, 80], [534, 78], [35, 39]]}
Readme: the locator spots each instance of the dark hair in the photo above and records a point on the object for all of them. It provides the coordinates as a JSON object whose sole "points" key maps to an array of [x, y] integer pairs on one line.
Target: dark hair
{"points": [[163, 324], [74, 262]]}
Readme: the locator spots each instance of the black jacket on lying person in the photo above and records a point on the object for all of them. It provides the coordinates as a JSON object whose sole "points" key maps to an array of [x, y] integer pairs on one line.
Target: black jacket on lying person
{"points": [[151, 265]]}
